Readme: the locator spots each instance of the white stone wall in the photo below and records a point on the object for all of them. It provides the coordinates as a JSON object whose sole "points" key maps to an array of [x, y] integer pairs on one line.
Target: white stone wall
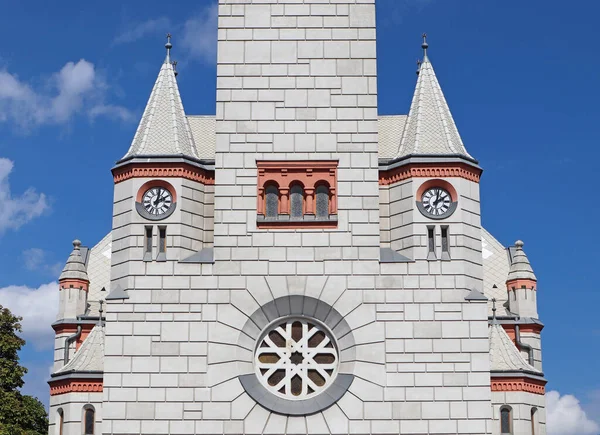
{"points": [[296, 81], [72, 405]]}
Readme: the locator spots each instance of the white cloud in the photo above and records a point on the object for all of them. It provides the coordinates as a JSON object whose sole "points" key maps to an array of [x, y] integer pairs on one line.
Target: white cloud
{"points": [[564, 416], [37, 307], [200, 34], [197, 35], [16, 211], [36, 260], [140, 30], [76, 88]]}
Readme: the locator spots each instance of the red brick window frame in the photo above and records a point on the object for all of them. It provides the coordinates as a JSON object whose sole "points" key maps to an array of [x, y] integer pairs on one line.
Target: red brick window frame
{"points": [[287, 180]]}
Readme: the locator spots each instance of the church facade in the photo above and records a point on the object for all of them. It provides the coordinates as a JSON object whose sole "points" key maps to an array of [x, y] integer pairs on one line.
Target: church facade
{"points": [[297, 264]]}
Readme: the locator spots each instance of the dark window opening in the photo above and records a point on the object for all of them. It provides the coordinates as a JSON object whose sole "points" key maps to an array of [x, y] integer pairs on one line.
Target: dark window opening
{"points": [[505, 421], [445, 243], [431, 243], [148, 247], [322, 202], [297, 201], [162, 240], [272, 201], [89, 421]]}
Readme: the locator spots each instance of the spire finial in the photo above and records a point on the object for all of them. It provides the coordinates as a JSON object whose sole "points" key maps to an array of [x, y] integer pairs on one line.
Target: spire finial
{"points": [[174, 63], [424, 46], [76, 244], [494, 309], [168, 46], [519, 244], [418, 66]]}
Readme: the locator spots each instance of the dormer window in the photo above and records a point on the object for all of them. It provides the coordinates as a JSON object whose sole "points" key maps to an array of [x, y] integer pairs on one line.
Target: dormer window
{"points": [[297, 194]]}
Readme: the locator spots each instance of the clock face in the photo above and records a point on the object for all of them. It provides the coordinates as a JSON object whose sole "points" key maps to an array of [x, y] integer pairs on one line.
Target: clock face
{"points": [[157, 201], [436, 201]]}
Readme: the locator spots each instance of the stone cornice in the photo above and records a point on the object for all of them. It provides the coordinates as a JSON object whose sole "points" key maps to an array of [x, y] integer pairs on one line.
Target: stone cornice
{"points": [[163, 170], [394, 174], [518, 382], [74, 384]]}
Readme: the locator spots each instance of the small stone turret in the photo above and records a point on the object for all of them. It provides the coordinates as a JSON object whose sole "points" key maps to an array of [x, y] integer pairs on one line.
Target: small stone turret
{"points": [[73, 286], [522, 284]]}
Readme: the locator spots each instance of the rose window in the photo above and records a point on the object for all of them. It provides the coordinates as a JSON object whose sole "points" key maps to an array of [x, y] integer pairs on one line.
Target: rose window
{"points": [[296, 358]]}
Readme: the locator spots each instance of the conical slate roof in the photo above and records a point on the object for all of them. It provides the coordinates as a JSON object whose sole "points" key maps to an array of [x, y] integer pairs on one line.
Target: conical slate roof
{"points": [[430, 128], [164, 128], [520, 267], [90, 356], [504, 355], [75, 267]]}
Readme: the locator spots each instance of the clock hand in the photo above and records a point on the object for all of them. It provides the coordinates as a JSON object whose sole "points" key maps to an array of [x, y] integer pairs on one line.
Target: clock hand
{"points": [[157, 199]]}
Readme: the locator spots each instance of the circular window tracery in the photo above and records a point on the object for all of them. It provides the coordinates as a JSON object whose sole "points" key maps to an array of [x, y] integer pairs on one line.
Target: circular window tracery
{"points": [[296, 358]]}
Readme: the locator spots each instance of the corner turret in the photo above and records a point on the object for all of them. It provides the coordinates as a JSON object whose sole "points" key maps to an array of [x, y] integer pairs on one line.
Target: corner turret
{"points": [[73, 285], [521, 284]]}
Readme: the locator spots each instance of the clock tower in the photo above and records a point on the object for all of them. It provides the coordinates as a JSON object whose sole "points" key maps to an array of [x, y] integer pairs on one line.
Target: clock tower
{"points": [[430, 190]]}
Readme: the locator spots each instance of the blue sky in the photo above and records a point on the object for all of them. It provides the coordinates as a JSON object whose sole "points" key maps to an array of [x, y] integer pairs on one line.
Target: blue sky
{"points": [[521, 79]]}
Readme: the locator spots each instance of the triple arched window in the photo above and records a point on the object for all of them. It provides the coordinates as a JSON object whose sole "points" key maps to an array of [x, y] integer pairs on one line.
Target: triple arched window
{"points": [[297, 194]]}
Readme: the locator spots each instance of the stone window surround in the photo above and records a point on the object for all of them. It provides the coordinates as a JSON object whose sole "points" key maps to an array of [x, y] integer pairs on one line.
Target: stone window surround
{"points": [[300, 306], [310, 174]]}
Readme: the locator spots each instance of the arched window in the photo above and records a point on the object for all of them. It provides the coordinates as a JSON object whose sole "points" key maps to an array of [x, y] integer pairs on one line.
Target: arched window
{"points": [[271, 201], [322, 202], [89, 416], [506, 420], [60, 421], [533, 421], [297, 201]]}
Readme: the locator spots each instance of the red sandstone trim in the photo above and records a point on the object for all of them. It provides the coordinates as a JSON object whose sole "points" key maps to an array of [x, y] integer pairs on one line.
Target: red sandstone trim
{"points": [[71, 328], [75, 386], [73, 283], [155, 183], [163, 170], [310, 174], [429, 170], [529, 328], [85, 331], [523, 383], [437, 183], [515, 284]]}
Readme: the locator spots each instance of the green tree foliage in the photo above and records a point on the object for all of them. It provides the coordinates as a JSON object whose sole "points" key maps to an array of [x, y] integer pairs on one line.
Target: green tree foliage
{"points": [[19, 414]]}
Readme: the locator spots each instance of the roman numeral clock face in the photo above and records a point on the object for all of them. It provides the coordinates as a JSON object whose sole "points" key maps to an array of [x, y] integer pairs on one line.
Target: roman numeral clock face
{"points": [[436, 203], [156, 203]]}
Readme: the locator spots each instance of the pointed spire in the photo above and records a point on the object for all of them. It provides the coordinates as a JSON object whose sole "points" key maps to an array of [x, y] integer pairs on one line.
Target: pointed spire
{"points": [[520, 267], [75, 266], [164, 129], [430, 128]]}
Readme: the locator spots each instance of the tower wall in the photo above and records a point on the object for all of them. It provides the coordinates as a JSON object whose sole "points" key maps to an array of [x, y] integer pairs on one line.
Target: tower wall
{"points": [[72, 405], [521, 404]]}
